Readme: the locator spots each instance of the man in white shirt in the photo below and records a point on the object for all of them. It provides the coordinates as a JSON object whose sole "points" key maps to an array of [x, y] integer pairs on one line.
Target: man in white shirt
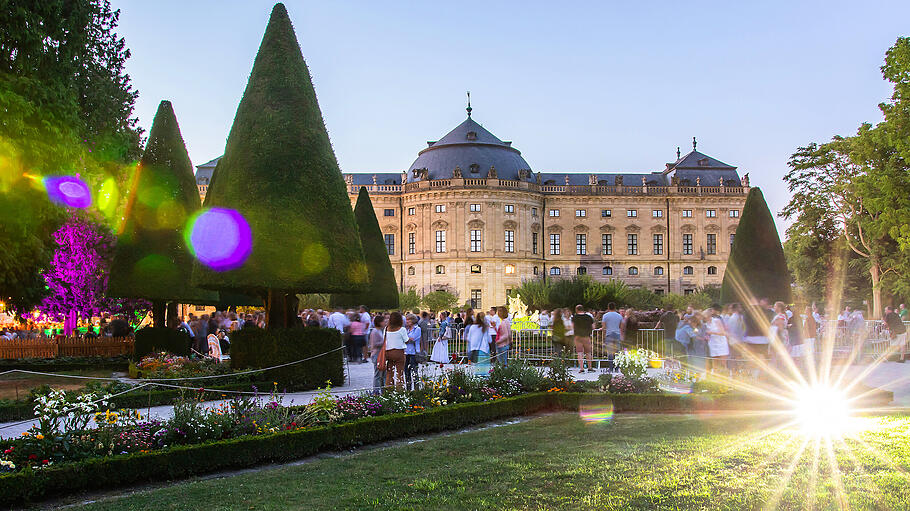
{"points": [[544, 319], [338, 320], [492, 320], [365, 318]]}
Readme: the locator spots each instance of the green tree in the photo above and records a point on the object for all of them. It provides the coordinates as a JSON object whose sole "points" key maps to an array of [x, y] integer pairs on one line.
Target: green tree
{"points": [[382, 292], [151, 259], [757, 267], [279, 172], [439, 300], [408, 300]]}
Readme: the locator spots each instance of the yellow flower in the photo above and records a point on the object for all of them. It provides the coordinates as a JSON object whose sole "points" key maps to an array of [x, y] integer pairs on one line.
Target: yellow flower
{"points": [[39, 436]]}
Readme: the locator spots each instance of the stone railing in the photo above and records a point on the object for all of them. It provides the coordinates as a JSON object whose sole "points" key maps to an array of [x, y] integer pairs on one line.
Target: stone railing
{"points": [[355, 189]]}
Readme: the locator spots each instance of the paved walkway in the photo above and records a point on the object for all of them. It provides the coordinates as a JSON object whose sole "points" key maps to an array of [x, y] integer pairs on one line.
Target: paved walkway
{"points": [[359, 378]]}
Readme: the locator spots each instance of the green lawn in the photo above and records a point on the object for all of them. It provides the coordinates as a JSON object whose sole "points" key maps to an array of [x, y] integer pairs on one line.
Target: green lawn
{"points": [[559, 462]]}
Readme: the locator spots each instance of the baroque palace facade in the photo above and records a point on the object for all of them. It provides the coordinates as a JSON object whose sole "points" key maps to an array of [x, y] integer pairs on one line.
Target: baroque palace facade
{"points": [[471, 217]]}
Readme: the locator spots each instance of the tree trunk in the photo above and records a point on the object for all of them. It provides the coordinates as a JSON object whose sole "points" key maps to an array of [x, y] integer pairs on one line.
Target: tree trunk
{"points": [[158, 314], [172, 319], [875, 273], [280, 309]]}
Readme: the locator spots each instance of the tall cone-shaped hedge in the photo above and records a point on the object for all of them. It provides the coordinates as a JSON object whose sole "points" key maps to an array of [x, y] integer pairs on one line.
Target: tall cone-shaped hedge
{"points": [[279, 172], [382, 292], [757, 267], [151, 259]]}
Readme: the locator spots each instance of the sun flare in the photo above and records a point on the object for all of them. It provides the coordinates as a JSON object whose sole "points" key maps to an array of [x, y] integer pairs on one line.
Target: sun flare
{"points": [[821, 410]]}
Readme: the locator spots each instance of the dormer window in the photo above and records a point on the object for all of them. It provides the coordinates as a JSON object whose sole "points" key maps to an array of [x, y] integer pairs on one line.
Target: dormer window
{"points": [[703, 162], [472, 135], [474, 168]]}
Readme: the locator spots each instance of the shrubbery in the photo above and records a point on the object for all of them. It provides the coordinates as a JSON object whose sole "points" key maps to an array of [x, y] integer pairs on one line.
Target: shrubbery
{"points": [[254, 348], [153, 340]]}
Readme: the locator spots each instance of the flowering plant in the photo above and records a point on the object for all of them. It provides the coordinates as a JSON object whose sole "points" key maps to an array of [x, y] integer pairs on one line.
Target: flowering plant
{"points": [[633, 363]]}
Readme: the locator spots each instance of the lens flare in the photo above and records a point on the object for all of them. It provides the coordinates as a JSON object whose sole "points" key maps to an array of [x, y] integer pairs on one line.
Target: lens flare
{"points": [[68, 191], [821, 410], [220, 238], [595, 413]]}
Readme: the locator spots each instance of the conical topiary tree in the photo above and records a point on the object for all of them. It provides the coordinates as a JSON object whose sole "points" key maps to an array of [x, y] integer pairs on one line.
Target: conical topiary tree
{"points": [[382, 292], [757, 267], [280, 174], [151, 259]]}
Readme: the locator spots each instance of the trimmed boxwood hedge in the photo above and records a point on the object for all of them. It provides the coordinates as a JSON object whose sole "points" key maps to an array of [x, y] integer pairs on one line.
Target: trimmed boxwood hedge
{"points": [[253, 348], [154, 339]]}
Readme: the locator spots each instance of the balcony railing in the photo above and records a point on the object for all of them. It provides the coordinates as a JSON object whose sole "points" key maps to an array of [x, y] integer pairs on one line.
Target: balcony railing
{"points": [[640, 190]]}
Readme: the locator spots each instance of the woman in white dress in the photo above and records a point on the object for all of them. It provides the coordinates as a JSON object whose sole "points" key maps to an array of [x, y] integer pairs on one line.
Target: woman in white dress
{"points": [[718, 348], [478, 337]]}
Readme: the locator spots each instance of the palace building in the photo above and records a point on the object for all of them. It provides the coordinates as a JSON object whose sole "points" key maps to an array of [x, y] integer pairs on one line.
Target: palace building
{"points": [[471, 217]]}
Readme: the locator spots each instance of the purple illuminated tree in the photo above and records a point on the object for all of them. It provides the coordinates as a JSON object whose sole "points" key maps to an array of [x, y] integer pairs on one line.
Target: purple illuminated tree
{"points": [[78, 273]]}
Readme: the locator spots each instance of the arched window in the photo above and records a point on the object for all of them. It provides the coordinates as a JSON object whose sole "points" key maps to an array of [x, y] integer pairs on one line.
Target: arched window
{"points": [[712, 270], [555, 270], [688, 270], [510, 269], [581, 270], [607, 270], [633, 270], [536, 270], [475, 268], [440, 269], [411, 270], [658, 270]]}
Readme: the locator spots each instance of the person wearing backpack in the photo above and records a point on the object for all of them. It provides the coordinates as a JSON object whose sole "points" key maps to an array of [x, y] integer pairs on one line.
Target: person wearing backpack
{"points": [[898, 331]]}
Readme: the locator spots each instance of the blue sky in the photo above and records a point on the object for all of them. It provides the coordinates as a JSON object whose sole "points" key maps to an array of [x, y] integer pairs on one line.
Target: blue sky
{"points": [[599, 86]]}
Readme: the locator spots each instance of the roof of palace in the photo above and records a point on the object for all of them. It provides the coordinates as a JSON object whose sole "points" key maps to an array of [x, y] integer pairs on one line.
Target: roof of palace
{"points": [[205, 170]]}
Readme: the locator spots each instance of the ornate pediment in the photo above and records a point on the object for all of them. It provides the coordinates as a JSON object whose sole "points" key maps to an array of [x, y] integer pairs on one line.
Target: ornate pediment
{"points": [[476, 224], [607, 228], [535, 227], [390, 228], [687, 228], [440, 225], [633, 228], [554, 229], [510, 225], [411, 226], [580, 228], [732, 228], [712, 227], [658, 228]]}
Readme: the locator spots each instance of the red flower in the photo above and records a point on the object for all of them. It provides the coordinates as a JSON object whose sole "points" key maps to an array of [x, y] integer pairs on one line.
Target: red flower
{"points": [[32, 456], [45, 462]]}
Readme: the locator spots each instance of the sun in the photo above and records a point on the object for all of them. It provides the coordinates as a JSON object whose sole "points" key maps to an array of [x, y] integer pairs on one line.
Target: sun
{"points": [[821, 410]]}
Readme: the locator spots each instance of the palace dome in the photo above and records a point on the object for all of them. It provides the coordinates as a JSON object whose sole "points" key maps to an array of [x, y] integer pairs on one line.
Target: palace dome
{"points": [[474, 150]]}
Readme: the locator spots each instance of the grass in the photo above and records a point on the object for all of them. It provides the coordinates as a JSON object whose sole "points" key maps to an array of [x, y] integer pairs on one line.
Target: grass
{"points": [[16, 386], [559, 462]]}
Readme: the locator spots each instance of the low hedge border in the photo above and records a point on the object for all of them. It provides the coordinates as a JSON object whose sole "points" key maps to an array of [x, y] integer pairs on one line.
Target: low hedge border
{"points": [[191, 460], [53, 365]]}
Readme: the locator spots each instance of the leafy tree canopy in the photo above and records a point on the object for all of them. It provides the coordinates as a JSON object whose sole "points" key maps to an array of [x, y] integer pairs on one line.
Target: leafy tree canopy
{"points": [[439, 300]]}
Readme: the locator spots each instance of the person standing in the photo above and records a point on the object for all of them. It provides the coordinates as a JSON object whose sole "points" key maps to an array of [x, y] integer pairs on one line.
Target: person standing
{"points": [[377, 343], [668, 321], [896, 330], [492, 319], [718, 349], [358, 339], [559, 332], [904, 313], [778, 335], [410, 351], [478, 339], [396, 339], [503, 336], [584, 326], [424, 325], [543, 320], [612, 324]]}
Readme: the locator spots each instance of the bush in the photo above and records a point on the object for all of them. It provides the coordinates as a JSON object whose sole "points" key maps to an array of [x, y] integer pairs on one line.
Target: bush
{"points": [[152, 340], [254, 348]]}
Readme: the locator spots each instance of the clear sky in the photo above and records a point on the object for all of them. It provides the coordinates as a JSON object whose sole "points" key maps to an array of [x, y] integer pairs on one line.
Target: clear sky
{"points": [[599, 86]]}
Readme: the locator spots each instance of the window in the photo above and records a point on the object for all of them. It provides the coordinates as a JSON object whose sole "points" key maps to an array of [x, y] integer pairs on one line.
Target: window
{"points": [[390, 244], [440, 241], [631, 213], [440, 269], [533, 242], [440, 208], [510, 241], [633, 270], [581, 270], [509, 208], [657, 213], [687, 244], [554, 244], [606, 213], [581, 244], [658, 291], [411, 270], [688, 270], [555, 270], [581, 213], [475, 268], [711, 213], [711, 247], [475, 208], [536, 271], [200, 308], [412, 242], [606, 244], [554, 212], [658, 244], [712, 270], [687, 213], [607, 270], [658, 270], [731, 240], [475, 299], [510, 270], [533, 211], [734, 213], [632, 244], [412, 211], [388, 212], [476, 245], [688, 292]]}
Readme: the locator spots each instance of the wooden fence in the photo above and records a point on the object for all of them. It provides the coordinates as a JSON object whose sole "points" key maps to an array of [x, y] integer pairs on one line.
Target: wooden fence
{"points": [[66, 347]]}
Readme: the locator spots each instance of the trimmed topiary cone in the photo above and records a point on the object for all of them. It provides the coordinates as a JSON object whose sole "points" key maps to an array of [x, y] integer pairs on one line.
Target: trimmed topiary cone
{"points": [[757, 267], [279, 172], [382, 292], [151, 260]]}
